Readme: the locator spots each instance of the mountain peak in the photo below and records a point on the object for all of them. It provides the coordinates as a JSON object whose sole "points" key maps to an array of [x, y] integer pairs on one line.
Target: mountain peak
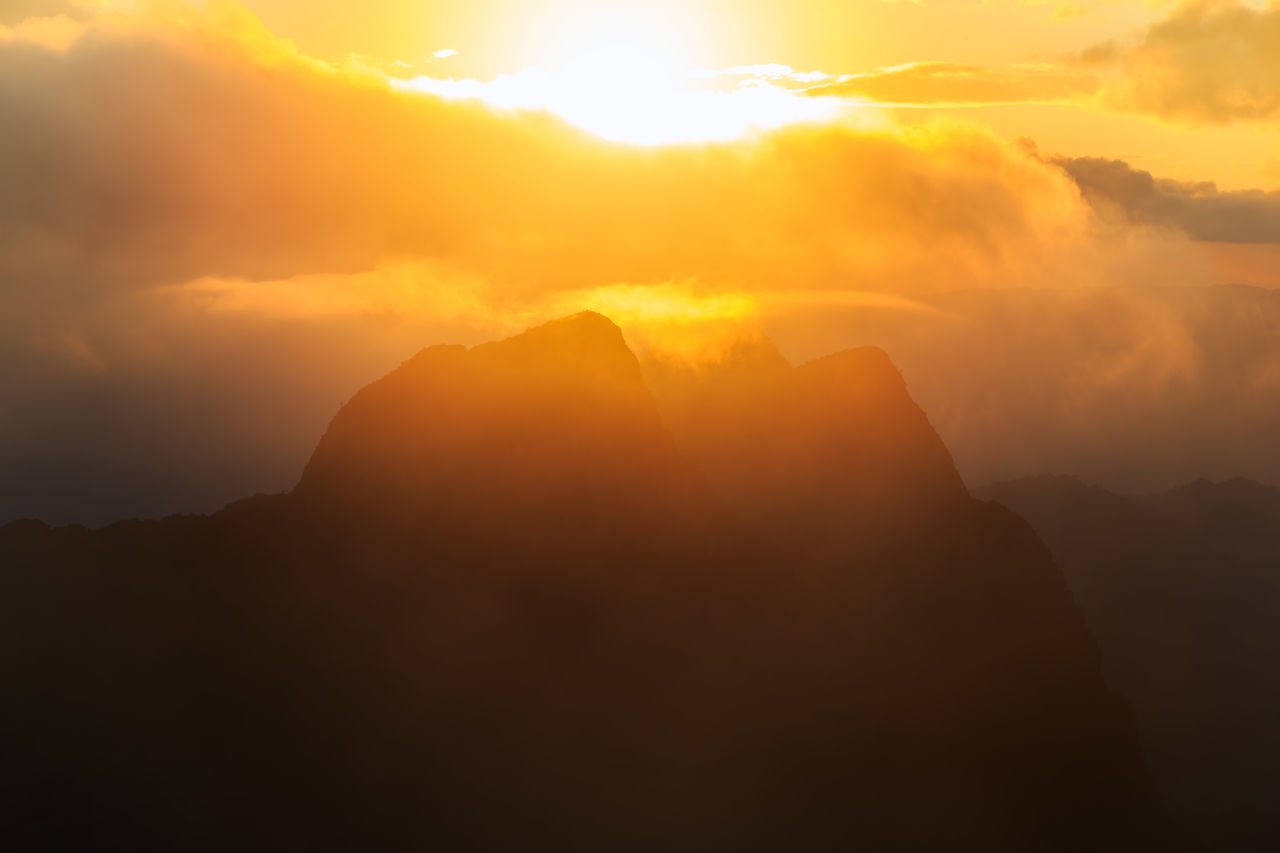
{"points": [[860, 371], [839, 436], [583, 319], [586, 328], [584, 347], [559, 411]]}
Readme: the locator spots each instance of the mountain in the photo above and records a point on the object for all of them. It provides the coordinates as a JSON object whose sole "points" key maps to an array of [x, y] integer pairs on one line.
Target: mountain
{"points": [[1136, 388], [497, 446], [1182, 589], [838, 438], [519, 601]]}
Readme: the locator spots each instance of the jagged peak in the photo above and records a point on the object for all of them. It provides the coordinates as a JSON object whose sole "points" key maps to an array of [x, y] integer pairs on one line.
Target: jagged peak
{"points": [[560, 395], [581, 344], [585, 328], [585, 319], [859, 363]]}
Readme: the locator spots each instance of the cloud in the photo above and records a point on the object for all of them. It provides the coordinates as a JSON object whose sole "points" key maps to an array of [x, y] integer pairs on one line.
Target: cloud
{"points": [[1206, 62], [770, 71], [957, 84], [1214, 62], [1200, 210], [207, 240], [16, 11], [152, 156]]}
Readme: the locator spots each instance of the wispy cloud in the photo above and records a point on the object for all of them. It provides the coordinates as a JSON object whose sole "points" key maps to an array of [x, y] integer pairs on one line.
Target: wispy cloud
{"points": [[957, 84]]}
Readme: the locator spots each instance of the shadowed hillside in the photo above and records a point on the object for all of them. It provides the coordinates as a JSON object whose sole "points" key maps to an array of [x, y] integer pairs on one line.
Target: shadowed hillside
{"points": [[505, 608], [1183, 591]]}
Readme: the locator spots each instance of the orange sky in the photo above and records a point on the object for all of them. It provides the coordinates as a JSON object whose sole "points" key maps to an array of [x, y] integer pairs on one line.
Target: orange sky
{"points": [[275, 140], [365, 179], [1184, 91], [1001, 39]]}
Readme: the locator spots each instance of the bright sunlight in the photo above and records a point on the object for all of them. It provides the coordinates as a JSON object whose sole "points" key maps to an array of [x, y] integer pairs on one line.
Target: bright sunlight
{"points": [[623, 72]]}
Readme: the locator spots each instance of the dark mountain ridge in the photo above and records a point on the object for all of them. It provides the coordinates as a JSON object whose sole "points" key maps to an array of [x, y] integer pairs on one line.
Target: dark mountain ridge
{"points": [[506, 608]]}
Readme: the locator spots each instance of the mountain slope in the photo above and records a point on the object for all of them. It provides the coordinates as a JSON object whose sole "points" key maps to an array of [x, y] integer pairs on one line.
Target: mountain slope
{"points": [[503, 609], [1183, 591]]}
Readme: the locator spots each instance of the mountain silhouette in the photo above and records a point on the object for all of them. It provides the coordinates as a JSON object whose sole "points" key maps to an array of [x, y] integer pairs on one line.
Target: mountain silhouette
{"points": [[1183, 590], [1137, 388], [838, 439], [497, 447], [518, 601]]}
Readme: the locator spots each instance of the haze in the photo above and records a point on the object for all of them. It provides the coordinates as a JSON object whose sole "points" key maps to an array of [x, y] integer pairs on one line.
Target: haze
{"points": [[220, 219]]}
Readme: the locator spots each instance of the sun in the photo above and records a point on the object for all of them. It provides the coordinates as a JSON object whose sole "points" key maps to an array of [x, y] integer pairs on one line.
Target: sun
{"points": [[622, 40], [628, 72], [613, 66]]}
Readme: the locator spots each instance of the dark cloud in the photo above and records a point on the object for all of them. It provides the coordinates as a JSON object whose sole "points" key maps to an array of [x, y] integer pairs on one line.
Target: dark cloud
{"points": [[1200, 209]]}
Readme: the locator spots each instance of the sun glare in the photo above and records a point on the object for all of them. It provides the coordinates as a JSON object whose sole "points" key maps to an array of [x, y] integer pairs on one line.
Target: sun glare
{"points": [[675, 318], [626, 73], [668, 303]]}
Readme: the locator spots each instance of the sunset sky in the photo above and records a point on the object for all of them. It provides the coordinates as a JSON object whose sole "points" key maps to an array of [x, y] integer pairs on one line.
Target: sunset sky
{"points": [[227, 216], [718, 425], [1185, 91]]}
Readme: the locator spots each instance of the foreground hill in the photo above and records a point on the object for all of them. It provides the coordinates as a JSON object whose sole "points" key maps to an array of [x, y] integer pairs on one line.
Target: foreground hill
{"points": [[505, 608], [1183, 591]]}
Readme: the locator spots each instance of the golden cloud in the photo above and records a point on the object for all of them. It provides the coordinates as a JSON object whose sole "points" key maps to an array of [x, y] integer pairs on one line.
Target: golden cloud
{"points": [[1211, 61], [190, 148], [957, 84]]}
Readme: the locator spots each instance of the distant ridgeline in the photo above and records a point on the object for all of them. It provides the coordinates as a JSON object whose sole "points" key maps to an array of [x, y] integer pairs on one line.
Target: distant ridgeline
{"points": [[537, 596]]}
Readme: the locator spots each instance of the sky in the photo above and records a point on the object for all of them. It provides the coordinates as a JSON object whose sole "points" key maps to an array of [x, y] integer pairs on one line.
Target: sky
{"points": [[220, 219], [1019, 67]]}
